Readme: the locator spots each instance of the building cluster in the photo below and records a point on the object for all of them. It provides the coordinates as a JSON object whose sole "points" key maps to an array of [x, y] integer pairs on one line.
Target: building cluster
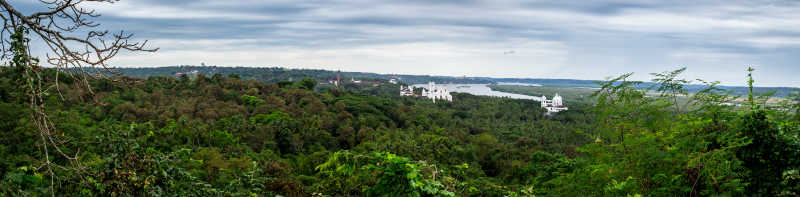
{"points": [[193, 72], [338, 81], [407, 91], [432, 92], [555, 105], [372, 83]]}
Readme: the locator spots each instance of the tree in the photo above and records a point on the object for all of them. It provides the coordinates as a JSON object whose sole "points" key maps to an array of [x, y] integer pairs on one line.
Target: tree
{"points": [[383, 174], [795, 98], [670, 86], [770, 153], [58, 27], [308, 84]]}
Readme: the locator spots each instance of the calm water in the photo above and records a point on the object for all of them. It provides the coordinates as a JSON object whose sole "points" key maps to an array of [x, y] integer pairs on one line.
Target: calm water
{"points": [[480, 89]]}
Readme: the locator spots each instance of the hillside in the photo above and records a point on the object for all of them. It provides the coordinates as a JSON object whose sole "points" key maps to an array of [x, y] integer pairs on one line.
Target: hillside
{"points": [[216, 135]]}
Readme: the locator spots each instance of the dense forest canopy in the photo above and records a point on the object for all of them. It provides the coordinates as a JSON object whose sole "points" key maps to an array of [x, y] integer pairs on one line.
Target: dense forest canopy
{"points": [[218, 135]]}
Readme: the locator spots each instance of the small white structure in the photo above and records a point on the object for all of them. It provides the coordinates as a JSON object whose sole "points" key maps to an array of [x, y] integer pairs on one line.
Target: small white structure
{"points": [[193, 72], [406, 91], [555, 105], [393, 81]]}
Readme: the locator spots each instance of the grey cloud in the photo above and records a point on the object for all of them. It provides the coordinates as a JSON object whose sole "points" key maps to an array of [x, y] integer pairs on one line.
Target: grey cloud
{"points": [[623, 35]]}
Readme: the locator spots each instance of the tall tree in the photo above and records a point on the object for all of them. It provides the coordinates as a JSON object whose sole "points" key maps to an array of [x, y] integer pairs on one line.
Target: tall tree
{"points": [[669, 85]]}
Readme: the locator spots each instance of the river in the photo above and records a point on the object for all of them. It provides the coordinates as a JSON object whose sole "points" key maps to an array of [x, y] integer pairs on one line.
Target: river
{"points": [[482, 90]]}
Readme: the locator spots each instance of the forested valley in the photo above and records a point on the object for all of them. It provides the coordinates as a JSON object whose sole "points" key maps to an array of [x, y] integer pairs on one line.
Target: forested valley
{"points": [[82, 114], [222, 136]]}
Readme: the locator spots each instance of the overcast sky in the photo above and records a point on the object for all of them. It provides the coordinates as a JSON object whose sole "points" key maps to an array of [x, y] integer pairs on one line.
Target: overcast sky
{"points": [[716, 40]]}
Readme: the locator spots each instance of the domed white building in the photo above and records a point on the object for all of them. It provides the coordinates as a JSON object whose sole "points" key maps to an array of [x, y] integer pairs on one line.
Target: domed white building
{"points": [[555, 105]]}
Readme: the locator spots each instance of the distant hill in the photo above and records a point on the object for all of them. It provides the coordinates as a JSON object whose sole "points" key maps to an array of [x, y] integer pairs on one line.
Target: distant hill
{"points": [[736, 90], [277, 74]]}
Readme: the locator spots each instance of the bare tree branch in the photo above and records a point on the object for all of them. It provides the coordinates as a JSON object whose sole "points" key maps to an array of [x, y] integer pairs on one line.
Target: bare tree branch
{"points": [[81, 58]]}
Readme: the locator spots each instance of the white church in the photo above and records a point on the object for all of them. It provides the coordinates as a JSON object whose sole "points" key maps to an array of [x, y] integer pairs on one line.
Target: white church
{"points": [[432, 92], [436, 93], [555, 105]]}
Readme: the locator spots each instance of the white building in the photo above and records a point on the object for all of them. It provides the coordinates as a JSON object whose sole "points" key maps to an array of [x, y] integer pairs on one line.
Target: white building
{"points": [[393, 81], [555, 105], [436, 93], [193, 72], [432, 92], [406, 91]]}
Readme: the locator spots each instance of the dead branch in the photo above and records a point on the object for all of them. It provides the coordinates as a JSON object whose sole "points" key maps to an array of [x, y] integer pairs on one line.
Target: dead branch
{"points": [[80, 57]]}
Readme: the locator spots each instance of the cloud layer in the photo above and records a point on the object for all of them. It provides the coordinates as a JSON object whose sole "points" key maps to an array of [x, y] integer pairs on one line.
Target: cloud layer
{"points": [[550, 39]]}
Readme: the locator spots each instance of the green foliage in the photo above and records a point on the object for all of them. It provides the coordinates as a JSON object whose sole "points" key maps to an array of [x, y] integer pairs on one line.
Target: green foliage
{"points": [[251, 100], [19, 47], [711, 150], [750, 81], [385, 174], [221, 136], [768, 156], [308, 84], [668, 85]]}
